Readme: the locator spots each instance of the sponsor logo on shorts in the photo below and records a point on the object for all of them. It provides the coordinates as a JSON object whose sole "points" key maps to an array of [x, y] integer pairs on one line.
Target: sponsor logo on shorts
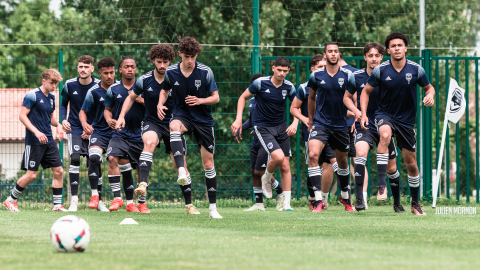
{"points": [[146, 127], [93, 140], [270, 145], [32, 163], [109, 150], [76, 147], [341, 82]]}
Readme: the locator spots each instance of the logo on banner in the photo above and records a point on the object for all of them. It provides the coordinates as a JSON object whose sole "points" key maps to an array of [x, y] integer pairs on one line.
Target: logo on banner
{"points": [[456, 103]]}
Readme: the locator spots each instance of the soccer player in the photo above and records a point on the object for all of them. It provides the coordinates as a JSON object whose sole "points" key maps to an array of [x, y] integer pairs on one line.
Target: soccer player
{"points": [[271, 94], [299, 109], [126, 141], [258, 160], [99, 131], [397, 108], [364, 138], [74, 93], [327, 122], [194, 90], [154, 129], [40, 148]]}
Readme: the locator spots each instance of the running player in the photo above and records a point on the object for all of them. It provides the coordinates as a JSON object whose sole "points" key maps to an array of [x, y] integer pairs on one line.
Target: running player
{"points": [[397, 108], [364, 138], [299, 109], [99, 131], [126, 141], [74, 93], [327, 122], [258, 160], [154, 129], [40, 148], [270, 127], [194, 90]]}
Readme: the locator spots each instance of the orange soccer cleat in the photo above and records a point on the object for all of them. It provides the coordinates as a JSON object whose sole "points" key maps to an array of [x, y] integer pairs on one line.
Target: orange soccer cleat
{"points": [[143, 208], [132, 208], [94, 202], [116, 203], [59, 209], [12, 206], [347, 203]]}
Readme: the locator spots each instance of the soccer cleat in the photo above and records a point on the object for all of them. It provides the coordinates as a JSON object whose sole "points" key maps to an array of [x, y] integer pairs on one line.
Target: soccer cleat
{"points": [[192, 210], [382, 193], [347, 203], [73, 206], [94, 202], [214, 214], [285, 209], [280, 199], [143, 208], [266, 186], [182, 177], [324, 205], [359, 205], [101, 207], [116, 203], [141, 190], [132, 208], [12, 206], [255, 207], [398, 208], [59, 208], [417, 209], [317, 206], [310, 204]]}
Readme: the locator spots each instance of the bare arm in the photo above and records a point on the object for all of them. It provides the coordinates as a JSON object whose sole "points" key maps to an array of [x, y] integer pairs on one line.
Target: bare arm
{"points": [[54, 122], [109, 117], [25, 121], [354, 112], [87, 128], [296, 111], [127, 104], [237, 125], [364, 98], [292, 129], [161, 100], [429, 94], [312, 106], [214, 98]]}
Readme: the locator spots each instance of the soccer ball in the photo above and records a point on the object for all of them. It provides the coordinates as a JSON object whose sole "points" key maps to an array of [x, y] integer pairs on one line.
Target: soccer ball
{"points": [[70, 234]]}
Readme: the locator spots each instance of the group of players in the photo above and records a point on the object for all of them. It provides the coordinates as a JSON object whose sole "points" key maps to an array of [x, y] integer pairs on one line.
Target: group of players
{"points": [[127, 119], [381, 100]]}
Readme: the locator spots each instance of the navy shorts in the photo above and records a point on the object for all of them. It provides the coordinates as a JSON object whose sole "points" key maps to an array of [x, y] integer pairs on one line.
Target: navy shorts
{"points": [[405, 136], [325, 157], [119, 147], [370, 137], [163, 133], [203, 135], [258, 158], [337, 139], [99, 142], [273, 138], [77, 145], [46, 155]]}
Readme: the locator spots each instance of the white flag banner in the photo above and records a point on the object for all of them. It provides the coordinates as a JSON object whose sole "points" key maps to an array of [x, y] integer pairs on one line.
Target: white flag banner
{"points": [[456, 102]]}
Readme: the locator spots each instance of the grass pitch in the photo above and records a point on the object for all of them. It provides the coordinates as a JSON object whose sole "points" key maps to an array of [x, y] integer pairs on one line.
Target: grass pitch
{"points": [[169, 239]]}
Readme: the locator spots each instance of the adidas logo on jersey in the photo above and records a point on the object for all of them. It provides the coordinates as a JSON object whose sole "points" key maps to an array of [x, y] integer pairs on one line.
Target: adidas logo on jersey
{"points": [[143, 164], [363, 85], [41, 101], [75, 93], [150, 89], [119, 96], [177, 154], [268, 91], [322, 82], [388, 79], [357, 174], [130, 187], [212, 189], [176, 83], [263, 166], [101, 99], [92, 174]]}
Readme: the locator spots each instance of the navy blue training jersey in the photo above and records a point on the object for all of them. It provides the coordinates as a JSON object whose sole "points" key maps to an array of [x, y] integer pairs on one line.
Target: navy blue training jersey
{"points": [[361, 78], [115, 97], [270, 109], [331, 112], [398, 91], [150, 88], [75, 93], [40, 115], [352, 69], [200, 83], [252, 106], [302, 94], [94, 105]]}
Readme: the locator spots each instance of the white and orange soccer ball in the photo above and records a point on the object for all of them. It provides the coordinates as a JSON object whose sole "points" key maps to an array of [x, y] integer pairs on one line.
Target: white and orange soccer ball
{"points": [[70, 234]]}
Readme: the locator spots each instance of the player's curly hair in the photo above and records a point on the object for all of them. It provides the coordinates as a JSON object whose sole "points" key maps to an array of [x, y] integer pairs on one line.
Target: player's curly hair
{"points": [[106, 62], [162, 51], [52, 74], [189, 46], [317, 58], [373, 45], [255, 76], [86, 59], [396, 35], [282, 62], [329, 43], [125, 58]]}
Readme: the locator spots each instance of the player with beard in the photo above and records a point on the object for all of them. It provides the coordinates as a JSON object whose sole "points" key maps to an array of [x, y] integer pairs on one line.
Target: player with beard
{"points": [[365, 138], [397, 81], [327, 122]]}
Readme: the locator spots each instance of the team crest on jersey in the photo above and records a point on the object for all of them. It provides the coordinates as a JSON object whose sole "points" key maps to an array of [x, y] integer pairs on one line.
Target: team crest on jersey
{"points": [[32, 163], [341, 82], [93, 140], [408, 77], [76, 147], [198, 83], [284, 93], [270, 145]]}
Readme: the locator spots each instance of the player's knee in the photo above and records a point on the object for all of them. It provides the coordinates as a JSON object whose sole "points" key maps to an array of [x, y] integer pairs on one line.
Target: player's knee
{"points": [[174, 126], [112, 161], [95, 159], [149, 143], [31, 175], [391, 168], [385, 137], [285, 167], [208, 165], [411, 164], [75, 159], [258, 174], [362, 153], [58, 172]]}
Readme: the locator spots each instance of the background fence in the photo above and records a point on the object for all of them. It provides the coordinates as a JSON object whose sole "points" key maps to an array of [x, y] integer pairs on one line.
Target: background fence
{"points": [[232, 70]]}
